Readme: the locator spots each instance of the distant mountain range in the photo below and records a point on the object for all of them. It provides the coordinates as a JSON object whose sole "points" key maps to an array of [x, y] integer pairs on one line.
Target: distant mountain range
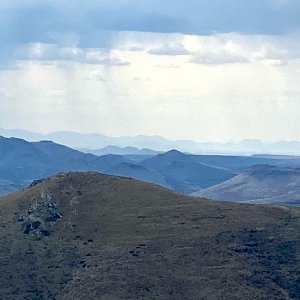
{"points": [[259, 184], [157, 143], [22, 162], [212, 176]]}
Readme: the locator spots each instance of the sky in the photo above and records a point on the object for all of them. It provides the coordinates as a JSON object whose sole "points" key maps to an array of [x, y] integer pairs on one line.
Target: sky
{"points": [[206, 70]]}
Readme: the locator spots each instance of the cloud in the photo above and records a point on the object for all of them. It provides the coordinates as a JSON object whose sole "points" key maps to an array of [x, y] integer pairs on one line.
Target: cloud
{"points": [[235, 48], [218, 103], [217, 58], [83, 39], [52, 52], [113, 62], [221, 49], [32, 21], [169, 49], [135, 48], [96, 24], [211, 50], [189, 16]]}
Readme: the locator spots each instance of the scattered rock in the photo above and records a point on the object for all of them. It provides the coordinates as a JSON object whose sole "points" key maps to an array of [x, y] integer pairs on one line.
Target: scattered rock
{"points": [[27, 229], [36, 182], [53, 218], [141, 216], [251, 244], [240, 249], [44, 232], [137, 249], [258, 229], [35, 224], [35, 219]]}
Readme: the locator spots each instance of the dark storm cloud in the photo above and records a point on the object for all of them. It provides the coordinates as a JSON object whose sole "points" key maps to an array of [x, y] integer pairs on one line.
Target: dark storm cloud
{"points": [[90, 21]]}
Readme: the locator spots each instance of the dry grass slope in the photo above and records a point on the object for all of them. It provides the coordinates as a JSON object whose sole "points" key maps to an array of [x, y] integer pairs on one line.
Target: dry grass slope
{"points": [[92, 236]]}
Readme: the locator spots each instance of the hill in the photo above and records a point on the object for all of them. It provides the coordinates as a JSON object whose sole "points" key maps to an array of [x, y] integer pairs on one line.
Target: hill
{"points": [[22, 162], [240, 163], [185, 176], [93, 236], [184, 173], [121, 151], [106, 162], [138, 172], [259, 184]]}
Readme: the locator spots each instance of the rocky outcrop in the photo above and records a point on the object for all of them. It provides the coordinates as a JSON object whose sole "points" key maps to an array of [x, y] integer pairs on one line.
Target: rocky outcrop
{"points": [[40, 216]]}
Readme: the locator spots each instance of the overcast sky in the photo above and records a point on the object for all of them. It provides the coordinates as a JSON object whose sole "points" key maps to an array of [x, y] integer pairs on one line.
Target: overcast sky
{"points": [[207, 70]]}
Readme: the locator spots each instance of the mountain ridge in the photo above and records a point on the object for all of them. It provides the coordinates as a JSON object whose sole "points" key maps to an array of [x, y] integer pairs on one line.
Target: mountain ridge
{"points": [[22, 162], [112, 149], [259, 184]]}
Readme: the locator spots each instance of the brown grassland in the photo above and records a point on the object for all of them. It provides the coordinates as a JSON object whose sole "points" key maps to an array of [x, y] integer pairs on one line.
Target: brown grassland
{"points": [[92, 236]]}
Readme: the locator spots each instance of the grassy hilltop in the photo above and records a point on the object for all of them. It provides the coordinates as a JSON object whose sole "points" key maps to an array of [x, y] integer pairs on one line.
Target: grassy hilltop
{"points": [[93, 236]]}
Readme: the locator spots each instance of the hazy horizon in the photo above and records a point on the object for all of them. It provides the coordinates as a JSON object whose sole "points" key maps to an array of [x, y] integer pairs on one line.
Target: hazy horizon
{"points": [[96, 141], [45, 133]]}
